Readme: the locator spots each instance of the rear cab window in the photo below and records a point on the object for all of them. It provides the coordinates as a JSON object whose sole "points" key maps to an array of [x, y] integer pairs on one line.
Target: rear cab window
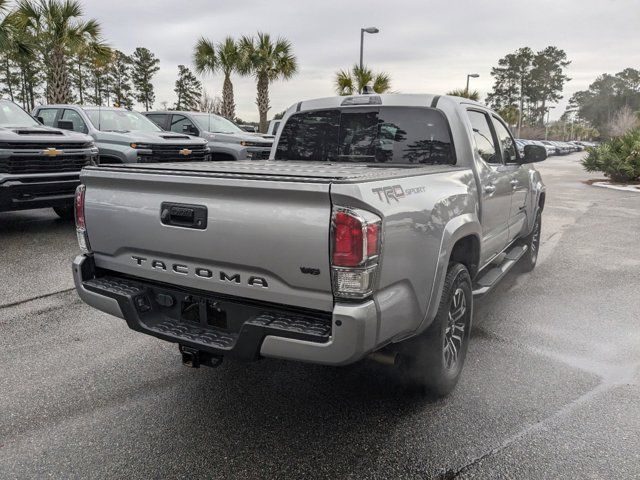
{"points": [[159, 119], [393, 135]]}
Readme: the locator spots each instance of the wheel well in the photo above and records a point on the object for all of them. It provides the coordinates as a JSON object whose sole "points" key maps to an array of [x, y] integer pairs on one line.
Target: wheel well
{"points": [[543, 197], [467, 252], [222, 157]]}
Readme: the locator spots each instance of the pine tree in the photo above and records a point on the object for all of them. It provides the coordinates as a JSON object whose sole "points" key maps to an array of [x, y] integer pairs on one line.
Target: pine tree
{"points": [[99, 84], [145, 66], [9, 77], [188, 90], [120, 76]]}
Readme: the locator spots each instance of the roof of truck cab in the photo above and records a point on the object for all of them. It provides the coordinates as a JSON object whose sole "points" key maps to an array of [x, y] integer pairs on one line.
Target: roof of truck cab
{"points": [[393, 99], [85, 107]]}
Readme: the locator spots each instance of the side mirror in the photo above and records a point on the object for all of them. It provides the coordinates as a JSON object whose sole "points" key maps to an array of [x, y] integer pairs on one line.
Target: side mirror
{"points": [[40, 119], [534, 153], [65, 124]]}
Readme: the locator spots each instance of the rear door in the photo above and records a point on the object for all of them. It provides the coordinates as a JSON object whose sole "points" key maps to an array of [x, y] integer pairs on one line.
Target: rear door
{"points": [[518, 178], [496, 189], [266, 240]]}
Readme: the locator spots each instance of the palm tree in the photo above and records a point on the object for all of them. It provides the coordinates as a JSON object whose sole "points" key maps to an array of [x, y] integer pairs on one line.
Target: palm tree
{"points": [[268, 62], [59, 33], [462, 92], [227, 59], [350, 82], [6, 27]]}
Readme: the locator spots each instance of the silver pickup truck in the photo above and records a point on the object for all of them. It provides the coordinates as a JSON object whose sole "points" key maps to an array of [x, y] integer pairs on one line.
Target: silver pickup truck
{"points": [[369, 232], [39, 166], [124, 136]]}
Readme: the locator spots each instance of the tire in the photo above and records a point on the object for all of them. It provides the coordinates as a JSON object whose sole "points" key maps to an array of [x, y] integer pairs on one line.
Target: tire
{"points": [[434, 360], [65, 212], [532, 241]]}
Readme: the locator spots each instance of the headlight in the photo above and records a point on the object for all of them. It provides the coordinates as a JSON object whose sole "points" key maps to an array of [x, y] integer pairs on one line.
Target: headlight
{"points": [[139, 145], [255, 144]]}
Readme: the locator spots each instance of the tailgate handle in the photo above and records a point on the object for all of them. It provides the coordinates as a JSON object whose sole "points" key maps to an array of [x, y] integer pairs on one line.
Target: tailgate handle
{"points": [[183, 215]]}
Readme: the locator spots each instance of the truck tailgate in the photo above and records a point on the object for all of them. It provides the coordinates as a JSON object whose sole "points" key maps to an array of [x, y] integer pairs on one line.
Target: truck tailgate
{"points": [[265, 240]]}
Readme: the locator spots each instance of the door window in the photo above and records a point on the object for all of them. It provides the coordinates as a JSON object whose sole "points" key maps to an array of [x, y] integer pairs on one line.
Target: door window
{"points": [[76, 119], [158, 118], [507, 145], [48, 116], [483, 137], [178, 123]]}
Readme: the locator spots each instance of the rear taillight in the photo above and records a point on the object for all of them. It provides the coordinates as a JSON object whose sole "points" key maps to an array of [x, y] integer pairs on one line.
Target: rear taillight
{"points": [[79, 206], [81, 226], [355, 249]]}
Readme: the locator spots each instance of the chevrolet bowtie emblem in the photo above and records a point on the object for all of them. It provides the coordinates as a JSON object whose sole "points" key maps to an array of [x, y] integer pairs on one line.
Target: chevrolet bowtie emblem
{"points": [[185, 152], [52, 152]]}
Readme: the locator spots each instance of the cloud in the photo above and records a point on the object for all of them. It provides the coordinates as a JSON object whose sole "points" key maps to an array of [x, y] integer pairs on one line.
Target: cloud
{"points": [[427, 47]]}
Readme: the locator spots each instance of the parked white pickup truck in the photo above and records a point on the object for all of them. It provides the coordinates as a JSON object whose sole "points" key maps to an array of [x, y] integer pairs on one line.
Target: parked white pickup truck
{"points": [[372, 227]]}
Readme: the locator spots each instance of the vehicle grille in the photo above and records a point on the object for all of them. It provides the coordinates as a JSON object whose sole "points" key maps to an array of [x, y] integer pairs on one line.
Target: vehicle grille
{"points": [[25, 164], [262, 155], [171, 153]]}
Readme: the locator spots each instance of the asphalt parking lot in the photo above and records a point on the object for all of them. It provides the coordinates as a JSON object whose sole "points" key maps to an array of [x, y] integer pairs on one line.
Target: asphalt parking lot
{"points": [[551, 388]]}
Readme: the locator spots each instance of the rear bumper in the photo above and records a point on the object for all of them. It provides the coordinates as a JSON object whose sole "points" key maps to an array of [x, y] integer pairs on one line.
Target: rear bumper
{"points": [[26, 192], [249, 330]]}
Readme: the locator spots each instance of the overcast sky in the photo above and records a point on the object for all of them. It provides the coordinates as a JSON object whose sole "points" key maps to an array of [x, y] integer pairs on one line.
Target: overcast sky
{"points": [[426, 46]]}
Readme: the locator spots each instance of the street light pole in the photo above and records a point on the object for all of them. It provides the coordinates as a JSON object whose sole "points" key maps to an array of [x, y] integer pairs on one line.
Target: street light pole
{"points": [[362, 32], [470, 75]]}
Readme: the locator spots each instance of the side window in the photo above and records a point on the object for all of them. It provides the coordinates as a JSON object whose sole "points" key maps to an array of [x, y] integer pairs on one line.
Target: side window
{"points": [[483, 137], [159, 119], [178, 122], [48, 116], [507, 144], [76, 119]]}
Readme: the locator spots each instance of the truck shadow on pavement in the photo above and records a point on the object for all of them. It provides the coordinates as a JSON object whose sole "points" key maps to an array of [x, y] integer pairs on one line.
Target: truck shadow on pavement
{"points": [[28, 222], [272, 417]]}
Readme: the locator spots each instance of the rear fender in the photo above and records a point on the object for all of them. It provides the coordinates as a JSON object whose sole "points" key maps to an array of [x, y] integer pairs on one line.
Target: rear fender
{"points": [[457, 228]]}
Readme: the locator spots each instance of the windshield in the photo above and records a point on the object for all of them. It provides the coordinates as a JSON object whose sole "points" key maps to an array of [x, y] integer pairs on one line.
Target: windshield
{"points": [[406, 135], [120, 120], [12, 115], [215, 124]]}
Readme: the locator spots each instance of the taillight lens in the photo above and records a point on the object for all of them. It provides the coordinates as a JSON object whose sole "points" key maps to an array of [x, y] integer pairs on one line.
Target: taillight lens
{"points": [[348, 240], [356, 243], [373, 239], [81, 226], [79, 207]]}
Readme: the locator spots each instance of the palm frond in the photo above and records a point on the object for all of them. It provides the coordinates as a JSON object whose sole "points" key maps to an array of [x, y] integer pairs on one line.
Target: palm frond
{"points": [[204, 56]]}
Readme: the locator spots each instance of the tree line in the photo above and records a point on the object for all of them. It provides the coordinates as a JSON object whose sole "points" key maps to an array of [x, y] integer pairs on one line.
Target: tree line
{"points": [[50, 53], [528, 83]]}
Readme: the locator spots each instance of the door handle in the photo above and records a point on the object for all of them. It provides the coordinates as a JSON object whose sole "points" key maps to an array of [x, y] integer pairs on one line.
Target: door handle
{"points": [[514, 183], [489, 189]]}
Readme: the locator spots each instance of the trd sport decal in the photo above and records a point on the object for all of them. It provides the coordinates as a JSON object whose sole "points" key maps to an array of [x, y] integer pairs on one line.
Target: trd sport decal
{"points": [[396, 192]]}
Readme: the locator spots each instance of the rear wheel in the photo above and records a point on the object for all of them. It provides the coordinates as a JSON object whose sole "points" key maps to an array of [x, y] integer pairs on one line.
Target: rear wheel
{"points": [[433, 361], [65, 212], [532, 241]]}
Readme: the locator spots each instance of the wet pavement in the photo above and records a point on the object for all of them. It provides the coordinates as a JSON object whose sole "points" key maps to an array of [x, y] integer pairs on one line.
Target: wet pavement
{"points": [[550, 388]]}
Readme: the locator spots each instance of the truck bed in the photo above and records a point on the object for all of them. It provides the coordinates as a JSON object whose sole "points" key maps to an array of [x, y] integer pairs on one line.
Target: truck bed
{"points": [[313, 172]]}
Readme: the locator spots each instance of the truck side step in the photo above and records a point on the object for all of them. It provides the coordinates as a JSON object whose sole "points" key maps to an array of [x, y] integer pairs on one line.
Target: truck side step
{"points": [[492, 276]]}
